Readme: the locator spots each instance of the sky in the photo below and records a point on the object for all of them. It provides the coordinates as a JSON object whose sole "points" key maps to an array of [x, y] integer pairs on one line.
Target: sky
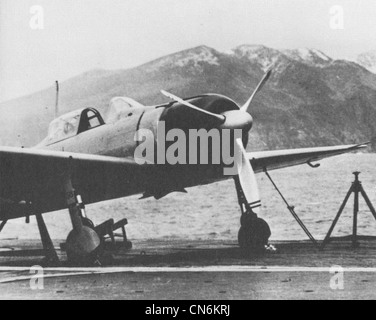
{"points": [[46, 40]]}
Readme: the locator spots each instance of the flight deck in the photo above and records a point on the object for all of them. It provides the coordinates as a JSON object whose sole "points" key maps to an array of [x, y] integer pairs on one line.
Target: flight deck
{"points": [[196, 270]]}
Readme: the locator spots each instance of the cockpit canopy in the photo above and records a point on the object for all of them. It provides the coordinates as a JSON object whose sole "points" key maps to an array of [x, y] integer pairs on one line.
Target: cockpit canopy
{"points": [[78, 121], [121, 107], [73, 123]]}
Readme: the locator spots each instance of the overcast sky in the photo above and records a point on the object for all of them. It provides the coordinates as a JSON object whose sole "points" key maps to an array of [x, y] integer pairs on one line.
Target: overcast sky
{"points": [[80, 35]]}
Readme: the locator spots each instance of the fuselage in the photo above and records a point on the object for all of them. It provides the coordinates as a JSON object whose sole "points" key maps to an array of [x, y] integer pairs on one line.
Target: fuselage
{"points": [[118, 138]]}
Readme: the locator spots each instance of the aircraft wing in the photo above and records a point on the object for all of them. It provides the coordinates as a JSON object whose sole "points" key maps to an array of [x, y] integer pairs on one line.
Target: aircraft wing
{"points": [[35, 175], [271, 160]]}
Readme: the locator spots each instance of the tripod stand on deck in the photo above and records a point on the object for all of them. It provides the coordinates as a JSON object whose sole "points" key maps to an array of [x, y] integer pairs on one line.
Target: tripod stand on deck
{"points": [[357, 189]]}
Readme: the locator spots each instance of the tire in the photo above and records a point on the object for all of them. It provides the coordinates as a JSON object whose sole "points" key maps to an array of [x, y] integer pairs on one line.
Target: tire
{"points": [[254, 235], [83, 248]]}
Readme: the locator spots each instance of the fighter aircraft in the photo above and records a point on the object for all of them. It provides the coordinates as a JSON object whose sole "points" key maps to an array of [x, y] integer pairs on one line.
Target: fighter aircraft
{"points": [[88, 158]]}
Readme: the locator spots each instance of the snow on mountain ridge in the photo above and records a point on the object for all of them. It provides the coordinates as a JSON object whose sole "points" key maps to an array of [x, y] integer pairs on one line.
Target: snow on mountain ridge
{"points": [[368, 60], [309, 56], [265, 56], [322, 55], [184, 58], [203, 55]]}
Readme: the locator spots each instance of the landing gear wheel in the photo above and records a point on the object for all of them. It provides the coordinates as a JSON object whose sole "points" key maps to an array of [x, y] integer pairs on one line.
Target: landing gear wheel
{"points": [[254, 234], [83, 248], [127, 245]]}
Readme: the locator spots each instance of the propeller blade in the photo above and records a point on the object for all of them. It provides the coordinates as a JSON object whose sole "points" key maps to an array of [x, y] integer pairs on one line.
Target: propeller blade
{"points": [[246, 107], [186, 103], [247, 179]]}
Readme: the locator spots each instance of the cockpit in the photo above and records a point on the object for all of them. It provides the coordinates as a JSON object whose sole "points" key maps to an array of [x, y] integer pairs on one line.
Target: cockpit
{"points": [[78, 121], [73, 123]]}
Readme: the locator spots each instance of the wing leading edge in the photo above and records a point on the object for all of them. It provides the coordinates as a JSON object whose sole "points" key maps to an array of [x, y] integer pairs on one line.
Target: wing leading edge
{"points": [[272, 160]]}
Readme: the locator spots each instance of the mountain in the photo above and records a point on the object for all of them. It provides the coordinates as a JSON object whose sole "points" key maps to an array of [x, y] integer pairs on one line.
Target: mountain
{"points": [[311, 57], [311, 99], [368, 60]]}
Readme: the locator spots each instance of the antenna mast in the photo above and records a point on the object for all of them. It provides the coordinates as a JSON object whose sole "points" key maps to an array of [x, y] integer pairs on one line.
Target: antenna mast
{"points": [[57, 100]]}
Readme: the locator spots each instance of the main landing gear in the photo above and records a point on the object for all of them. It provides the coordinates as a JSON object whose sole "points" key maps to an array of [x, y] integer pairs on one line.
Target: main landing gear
{"points": [[86, 243], [254, 232], [83, 244]]}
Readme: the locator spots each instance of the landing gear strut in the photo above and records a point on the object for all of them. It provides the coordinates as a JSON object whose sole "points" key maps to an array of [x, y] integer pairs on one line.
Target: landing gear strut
{"points": [[83, 244], [254, 232], [51, 258]]}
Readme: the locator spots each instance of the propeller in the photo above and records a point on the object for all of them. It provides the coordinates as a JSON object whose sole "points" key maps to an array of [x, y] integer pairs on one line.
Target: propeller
{"points": [[237, 119], [234, 119], [247, 179], [222, 118], [266, 77]]}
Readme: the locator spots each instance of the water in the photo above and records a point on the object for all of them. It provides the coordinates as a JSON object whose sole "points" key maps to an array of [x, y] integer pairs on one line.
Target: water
{"points": [[211, 212]]}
